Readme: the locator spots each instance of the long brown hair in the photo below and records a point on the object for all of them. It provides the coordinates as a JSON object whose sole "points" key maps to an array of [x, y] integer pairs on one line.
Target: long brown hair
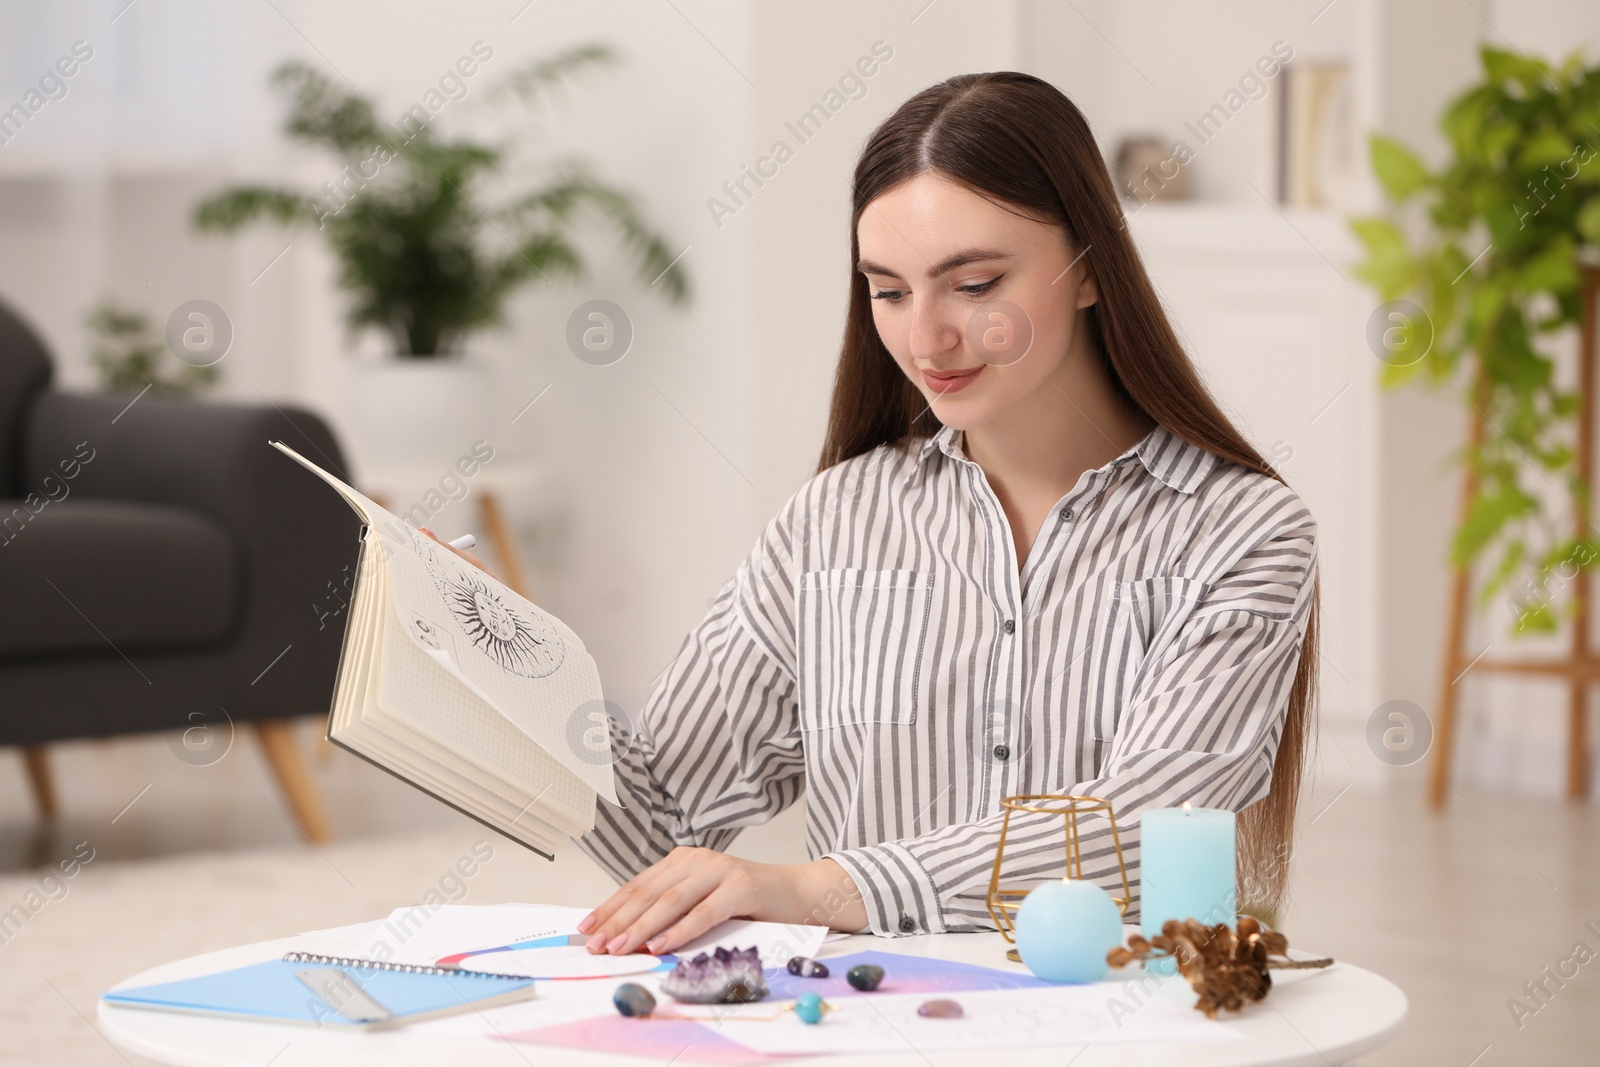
{"points": [[1020, 142]]}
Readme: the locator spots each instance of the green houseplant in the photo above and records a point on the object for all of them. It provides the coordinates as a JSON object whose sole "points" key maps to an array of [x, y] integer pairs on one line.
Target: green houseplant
{"points": [[423, 255], [431, 237], [1492, 262]]}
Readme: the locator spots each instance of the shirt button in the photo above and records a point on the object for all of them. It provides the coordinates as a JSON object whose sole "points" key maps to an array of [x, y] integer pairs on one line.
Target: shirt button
{"points": [[1002, 752], [1066, 514], [908, 925], [1010, 626]]}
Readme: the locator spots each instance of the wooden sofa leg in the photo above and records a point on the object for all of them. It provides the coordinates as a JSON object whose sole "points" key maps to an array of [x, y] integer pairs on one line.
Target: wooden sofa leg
{"points": [[277, 741], [37, 761]]}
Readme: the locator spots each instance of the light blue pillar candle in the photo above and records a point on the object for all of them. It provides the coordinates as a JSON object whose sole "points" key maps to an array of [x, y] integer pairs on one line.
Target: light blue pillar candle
{"points": [[1186, 867]]}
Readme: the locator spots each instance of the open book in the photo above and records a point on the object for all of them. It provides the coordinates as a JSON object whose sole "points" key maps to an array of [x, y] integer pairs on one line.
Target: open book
{"points": [[461, 686]]}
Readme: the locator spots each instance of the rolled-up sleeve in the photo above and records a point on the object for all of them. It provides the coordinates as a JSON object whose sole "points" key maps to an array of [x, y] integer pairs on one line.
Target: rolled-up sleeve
{"points": [[718, 745], [1201, 724]]}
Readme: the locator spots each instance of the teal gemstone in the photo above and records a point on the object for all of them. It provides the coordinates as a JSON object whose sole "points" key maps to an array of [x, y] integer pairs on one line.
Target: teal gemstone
{"points": [[864, 977], [809, 1007], [634, 1001]]}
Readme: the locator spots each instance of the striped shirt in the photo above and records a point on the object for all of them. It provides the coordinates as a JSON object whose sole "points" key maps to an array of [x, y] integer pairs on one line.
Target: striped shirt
{"points": [[880, 650]]}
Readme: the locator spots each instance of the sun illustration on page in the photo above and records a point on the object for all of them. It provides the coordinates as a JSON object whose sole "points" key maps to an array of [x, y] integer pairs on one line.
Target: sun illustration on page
{"points": [[520, 641]]}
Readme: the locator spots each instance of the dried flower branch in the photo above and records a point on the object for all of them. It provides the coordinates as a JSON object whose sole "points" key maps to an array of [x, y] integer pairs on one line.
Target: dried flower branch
{"points": [[1226, 967]]}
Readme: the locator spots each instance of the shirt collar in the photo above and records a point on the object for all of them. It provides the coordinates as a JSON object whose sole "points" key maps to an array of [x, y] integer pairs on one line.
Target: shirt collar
{"points": [[1168, 457]]}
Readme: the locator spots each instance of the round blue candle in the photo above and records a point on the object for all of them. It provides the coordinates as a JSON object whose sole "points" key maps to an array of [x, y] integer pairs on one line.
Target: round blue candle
{"points": [[1186, 867]]}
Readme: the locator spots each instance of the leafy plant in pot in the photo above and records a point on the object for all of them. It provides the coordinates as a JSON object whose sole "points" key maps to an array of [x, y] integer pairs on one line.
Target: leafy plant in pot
{"points": [[424, 255]]}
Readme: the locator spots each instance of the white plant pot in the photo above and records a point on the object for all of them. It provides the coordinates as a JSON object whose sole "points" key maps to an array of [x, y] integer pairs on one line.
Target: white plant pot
{"points": [[412, 416]]}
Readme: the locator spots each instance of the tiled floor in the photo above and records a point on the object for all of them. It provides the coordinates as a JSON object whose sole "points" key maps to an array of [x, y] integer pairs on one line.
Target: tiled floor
{"points": [[1460, 910]]}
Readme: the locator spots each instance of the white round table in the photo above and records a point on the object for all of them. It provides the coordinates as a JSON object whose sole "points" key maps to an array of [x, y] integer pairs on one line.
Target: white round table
{"points": [[1311, 1017]]}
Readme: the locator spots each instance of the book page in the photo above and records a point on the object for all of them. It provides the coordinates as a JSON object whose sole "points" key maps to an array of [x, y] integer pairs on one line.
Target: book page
{"points": [[415, 690], [525, 663]]}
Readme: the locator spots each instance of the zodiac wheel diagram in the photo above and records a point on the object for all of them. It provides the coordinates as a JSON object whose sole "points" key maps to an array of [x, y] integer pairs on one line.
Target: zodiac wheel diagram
{"points": [[521, 642]]}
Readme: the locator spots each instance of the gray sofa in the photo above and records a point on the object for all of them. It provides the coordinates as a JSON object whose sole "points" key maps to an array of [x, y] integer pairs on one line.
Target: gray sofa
{"points": [[163, 568]]}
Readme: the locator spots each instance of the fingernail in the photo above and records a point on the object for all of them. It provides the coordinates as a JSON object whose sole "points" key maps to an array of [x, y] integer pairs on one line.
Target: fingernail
{"points": [[585, 924], [655, 945], [595, 942], [616, 942]]}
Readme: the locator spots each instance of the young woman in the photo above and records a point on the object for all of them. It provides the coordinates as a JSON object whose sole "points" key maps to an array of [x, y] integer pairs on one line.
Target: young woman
{"points": [[1036, 558]]}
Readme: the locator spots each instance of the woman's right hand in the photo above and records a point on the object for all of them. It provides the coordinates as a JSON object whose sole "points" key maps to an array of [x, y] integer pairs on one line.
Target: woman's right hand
{"points": [[468, 556]]}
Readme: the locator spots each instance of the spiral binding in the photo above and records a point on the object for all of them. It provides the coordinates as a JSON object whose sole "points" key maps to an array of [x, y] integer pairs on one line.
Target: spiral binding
{"points": [[382, 965]]}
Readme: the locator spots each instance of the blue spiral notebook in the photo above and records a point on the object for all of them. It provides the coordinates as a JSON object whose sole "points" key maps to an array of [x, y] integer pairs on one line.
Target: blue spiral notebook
{"points": [[330, 991]]}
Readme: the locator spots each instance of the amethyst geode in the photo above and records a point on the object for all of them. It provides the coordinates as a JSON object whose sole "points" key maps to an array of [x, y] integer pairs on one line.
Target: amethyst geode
{"points": [[721, 978]]}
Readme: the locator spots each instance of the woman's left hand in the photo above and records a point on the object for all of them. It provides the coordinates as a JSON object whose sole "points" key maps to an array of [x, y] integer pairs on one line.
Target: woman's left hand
{"points": [[693, 889]]}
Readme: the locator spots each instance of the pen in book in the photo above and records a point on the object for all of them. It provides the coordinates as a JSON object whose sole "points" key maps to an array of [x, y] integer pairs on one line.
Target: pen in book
{"points": [[464, 542]]}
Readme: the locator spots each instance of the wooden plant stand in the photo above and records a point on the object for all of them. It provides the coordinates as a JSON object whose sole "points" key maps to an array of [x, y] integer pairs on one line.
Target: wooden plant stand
{"points": [[1580, 667]]}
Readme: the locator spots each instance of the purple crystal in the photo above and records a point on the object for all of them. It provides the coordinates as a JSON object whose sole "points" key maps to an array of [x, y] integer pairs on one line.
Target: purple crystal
{"points": [[723, 977], [940, 1009], [804, 967]]}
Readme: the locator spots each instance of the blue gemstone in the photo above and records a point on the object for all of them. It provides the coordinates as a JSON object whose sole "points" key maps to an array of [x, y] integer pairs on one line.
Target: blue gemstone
{"points": [[809, 1007], [633, 1000]]}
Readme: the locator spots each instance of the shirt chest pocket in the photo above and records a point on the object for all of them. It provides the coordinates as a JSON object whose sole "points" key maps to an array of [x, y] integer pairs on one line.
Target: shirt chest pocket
{"points": [[1154, 610], [1143, 617], [860, 636]]}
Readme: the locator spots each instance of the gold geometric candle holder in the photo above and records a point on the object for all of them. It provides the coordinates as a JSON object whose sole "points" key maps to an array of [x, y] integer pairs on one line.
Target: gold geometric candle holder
{"points": [[1004, 901]]}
